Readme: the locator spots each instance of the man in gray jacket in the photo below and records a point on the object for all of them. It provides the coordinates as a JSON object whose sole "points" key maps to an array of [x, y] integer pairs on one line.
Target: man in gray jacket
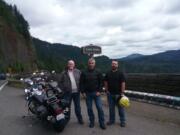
{"points": [[69, 83]]}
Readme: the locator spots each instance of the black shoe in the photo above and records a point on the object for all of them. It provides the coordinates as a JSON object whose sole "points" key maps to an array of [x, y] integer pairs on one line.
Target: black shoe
{"points": [[102, 126], [123, 124], [109, 123], [91, 125], [81, 122]]}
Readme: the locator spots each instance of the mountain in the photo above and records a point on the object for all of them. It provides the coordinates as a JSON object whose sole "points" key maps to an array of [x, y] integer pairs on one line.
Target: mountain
{"points": [[103, 62], [171, 55], [132, 56], [16, 50], [55, 56], [165, 62]]}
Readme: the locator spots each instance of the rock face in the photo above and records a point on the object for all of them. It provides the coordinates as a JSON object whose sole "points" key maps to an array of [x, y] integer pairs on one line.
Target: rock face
{"points": [[16, 50]]}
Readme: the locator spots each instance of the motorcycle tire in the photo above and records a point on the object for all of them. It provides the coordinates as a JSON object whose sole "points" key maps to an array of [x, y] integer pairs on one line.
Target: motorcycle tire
{"points": [[32, 107], [59, 127]]}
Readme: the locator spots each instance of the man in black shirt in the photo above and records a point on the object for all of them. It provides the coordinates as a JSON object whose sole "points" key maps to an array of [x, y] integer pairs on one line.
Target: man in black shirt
{"points": [[91, 85], [115, 86]]}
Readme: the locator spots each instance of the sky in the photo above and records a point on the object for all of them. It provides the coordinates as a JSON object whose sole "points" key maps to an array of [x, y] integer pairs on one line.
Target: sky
{"points": [[120, 27]]}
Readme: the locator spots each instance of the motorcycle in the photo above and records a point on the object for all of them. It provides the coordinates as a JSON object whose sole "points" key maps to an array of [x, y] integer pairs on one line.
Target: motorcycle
{"points": [[46, 101]]}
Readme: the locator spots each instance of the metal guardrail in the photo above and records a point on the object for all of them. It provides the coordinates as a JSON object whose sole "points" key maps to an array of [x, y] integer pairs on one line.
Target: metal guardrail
{"points": [[164, 100], [2, 84]]}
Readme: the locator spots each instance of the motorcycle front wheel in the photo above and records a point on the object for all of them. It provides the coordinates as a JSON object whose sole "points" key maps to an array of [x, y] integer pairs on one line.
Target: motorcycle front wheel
{"points": [[59, 125]]}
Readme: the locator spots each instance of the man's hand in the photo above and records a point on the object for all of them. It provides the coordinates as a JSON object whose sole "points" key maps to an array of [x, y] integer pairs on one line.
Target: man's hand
{"points": [[121, 94], [83, 95], [98, 93]]}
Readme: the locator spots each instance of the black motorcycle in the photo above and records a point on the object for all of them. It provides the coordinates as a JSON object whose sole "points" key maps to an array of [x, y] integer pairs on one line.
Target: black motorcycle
{"points": [[49, 105]]}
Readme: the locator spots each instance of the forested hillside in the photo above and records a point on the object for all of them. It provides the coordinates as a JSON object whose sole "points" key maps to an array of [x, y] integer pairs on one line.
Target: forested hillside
{"points": [[16, 50]]}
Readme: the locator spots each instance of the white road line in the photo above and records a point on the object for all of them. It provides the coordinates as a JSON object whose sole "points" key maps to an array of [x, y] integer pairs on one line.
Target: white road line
{"points": [[2, 86]]}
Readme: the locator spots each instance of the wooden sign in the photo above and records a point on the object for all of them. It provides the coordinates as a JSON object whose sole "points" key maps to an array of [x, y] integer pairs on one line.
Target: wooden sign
{"points": [[91, 49]]}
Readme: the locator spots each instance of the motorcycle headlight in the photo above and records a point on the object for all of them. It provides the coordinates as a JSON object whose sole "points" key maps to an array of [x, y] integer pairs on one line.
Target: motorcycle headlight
{"points": [[34, 73], [26, 90], [31, 83], [39, 93], [35, 89]]}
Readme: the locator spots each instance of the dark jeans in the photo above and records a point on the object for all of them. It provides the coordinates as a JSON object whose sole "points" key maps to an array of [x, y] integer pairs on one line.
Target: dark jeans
{"points": [[76, 99], [112, 99], [89, 102]]}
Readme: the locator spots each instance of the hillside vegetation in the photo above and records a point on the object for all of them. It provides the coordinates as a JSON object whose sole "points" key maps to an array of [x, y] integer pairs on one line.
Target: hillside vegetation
{"points": [[16, 50]]}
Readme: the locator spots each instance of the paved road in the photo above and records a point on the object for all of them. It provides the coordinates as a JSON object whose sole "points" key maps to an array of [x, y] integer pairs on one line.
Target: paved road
{"points": [[143, 119]]}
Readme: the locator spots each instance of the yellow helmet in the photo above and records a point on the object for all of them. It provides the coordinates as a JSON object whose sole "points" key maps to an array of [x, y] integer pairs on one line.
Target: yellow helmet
{"points": [[124, 101]]}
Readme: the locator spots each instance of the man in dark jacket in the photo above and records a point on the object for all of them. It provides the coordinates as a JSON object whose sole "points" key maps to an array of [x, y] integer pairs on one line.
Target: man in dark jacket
{"points": [[69, 83], [115, 86], [91, 86]]}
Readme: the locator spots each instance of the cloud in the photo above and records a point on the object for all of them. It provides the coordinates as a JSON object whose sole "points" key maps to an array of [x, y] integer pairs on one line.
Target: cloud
{"points": [[172, 7], [100, 4], [120, 27]]}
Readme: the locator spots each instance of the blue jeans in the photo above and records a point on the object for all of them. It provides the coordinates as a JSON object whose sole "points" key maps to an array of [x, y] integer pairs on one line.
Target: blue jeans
{"points": [[89, 102], [112, 99], [76, 99]]}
